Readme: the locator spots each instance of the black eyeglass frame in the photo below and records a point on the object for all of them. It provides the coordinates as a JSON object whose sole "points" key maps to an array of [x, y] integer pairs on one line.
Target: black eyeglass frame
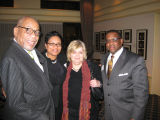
{"points": [[113, 40], [30, 31], [54, 44]]}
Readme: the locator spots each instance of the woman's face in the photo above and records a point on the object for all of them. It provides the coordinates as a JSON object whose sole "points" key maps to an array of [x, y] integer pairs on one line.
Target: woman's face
{"points": [[53, 46], [77, 56]]}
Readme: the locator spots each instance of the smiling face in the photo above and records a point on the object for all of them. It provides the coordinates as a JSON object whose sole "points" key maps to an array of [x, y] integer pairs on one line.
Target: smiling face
{"points": [[77, 56], [113, 42], [25, 40], [53, 47]]}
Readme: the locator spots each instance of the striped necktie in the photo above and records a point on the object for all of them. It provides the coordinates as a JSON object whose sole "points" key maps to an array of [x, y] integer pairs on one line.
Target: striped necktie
{"points": [[110, 63], [30, 53]]}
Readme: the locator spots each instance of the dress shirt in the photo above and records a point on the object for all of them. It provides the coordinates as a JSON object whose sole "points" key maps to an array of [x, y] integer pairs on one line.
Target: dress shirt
{"points": [[35, 57], [116, 56]]}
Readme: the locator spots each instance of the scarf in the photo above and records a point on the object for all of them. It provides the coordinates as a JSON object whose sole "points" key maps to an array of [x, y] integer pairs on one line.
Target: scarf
{"points": [[85, 105]]}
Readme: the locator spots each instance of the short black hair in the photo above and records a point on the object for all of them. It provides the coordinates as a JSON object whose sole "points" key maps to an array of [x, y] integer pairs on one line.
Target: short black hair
{"points": [[115, 31], [51, 34]]}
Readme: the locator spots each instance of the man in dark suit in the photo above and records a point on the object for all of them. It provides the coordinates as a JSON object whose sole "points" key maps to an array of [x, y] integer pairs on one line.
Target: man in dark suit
{"points": [[126, 89], [24, 76]]}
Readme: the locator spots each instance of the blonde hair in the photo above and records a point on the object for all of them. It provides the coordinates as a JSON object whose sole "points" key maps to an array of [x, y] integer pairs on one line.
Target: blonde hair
{"points": [[75, 44]]}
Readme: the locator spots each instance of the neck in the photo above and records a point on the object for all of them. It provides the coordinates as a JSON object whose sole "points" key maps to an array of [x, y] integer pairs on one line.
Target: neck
{"points": [[51, 56], [76, 67]]}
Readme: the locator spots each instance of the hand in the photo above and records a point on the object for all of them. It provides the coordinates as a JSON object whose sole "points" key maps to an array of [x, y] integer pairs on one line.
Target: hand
{"points": [[95, 83], [131, 119], [3, 92]]}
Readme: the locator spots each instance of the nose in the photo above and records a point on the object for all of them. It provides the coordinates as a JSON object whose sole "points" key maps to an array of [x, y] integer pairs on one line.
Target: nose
{"points": [[34, 35]]}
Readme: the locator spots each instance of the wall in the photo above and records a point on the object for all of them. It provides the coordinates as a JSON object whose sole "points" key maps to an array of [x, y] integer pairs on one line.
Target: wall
{"points": [[156, 56], [113, 9]]}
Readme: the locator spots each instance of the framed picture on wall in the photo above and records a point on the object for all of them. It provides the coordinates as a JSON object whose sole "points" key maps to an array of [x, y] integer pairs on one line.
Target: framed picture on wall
{"points": [[103, 48], [102, 36], [127, 35], [128, 47], [97, 41], [141, 42], [120, 32]]}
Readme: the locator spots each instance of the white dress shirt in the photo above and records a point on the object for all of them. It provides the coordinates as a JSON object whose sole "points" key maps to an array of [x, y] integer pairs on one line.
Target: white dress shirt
{"points": [[35, 58], [116, 56]]}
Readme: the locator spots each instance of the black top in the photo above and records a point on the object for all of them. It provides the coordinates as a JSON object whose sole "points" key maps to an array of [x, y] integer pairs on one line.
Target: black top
{"points": [[57, 73], [74, 92]]}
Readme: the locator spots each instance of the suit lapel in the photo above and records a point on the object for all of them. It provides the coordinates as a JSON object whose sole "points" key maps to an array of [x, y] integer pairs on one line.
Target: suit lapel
{"points": [[43, 62], [31, 63], [104, 64]]}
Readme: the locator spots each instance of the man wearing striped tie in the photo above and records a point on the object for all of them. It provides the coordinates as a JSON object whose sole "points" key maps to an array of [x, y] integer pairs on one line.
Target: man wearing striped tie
{"points": [[24, 76], [125, 82]]}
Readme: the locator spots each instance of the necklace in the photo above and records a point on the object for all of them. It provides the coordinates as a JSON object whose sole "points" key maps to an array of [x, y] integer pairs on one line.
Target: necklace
{"points": [[76, 70], [54, 62]]}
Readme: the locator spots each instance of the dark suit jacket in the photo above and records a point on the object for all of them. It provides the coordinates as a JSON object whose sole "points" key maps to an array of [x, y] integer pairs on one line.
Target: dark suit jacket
{"points": [[126, 92], [27, 87]]}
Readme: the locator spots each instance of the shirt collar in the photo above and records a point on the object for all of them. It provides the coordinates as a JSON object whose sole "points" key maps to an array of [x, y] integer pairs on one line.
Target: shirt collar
{"points": [[118, 53]]}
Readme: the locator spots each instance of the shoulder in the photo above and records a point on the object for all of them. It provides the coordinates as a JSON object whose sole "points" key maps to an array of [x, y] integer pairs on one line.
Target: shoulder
{"points": [[134, 58], [62, 58], [104, 58], [92, 65]]}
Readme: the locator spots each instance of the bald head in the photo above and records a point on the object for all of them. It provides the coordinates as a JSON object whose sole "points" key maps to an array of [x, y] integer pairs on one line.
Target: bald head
{"points": [[26, 32], [23, 19]]}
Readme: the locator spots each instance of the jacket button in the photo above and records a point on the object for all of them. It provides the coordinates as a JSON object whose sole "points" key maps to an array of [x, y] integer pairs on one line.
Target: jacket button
{"points": [[107, 84], [108, 94]]}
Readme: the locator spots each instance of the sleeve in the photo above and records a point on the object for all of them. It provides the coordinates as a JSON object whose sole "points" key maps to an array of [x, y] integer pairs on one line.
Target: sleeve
{"points": [[13, 86], [140, 89], [97, 92]]}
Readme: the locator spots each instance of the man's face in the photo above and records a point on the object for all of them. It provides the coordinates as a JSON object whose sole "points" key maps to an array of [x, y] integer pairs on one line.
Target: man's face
{"points": [[26, 34], [113, 42]]}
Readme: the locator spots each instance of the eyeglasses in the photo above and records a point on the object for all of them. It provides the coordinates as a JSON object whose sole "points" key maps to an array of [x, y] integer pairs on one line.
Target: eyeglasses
{"points": [[30, 31], [54, 44], [112, 40]]}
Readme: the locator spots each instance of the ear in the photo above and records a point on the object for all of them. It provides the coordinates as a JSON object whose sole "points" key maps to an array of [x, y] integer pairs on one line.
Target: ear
{"points": [[45, 45], [121, 41], [15, 31]]}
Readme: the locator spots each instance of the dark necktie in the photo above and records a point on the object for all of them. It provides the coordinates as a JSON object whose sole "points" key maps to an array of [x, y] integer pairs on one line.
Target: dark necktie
{"points": [[110, 63]]}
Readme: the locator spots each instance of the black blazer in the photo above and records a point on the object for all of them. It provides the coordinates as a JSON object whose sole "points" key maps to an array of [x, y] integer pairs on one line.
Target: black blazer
{"points": [[27, 87]]}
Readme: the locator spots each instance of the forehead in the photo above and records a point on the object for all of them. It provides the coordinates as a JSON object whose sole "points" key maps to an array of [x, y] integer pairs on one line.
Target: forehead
{"points": [[112, 34], [54, 38], [31, 23], [79, 49]]}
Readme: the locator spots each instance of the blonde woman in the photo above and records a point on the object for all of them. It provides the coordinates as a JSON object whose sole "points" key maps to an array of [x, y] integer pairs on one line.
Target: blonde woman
{"points": [[82, 86]]}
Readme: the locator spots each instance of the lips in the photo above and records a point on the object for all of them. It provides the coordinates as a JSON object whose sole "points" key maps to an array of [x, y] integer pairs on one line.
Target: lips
{"points": [[111, 47], [32, 43]]}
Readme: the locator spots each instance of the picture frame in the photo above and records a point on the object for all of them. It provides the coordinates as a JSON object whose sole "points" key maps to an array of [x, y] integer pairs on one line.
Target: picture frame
{"points": [[102, 36], [128, 47], [103, 48], [127, 35], [97, 41], [120, 32], [141, 42]]}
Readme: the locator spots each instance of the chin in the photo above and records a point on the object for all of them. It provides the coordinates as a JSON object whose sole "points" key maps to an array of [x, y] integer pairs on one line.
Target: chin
{"points": [[29, 48]]}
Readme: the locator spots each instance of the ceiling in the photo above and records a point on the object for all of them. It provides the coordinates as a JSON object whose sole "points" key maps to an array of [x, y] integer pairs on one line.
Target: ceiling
{"points": [[61, 4]]}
